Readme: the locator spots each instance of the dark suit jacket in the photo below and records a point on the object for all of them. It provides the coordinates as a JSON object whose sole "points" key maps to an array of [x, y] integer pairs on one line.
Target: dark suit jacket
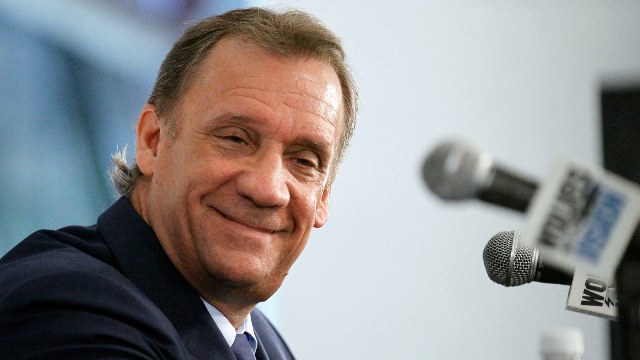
{"points": [[108, 292]]}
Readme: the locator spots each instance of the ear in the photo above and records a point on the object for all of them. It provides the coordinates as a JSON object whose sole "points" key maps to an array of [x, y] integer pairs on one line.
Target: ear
{"points": [[148, 138], [322, 211]]}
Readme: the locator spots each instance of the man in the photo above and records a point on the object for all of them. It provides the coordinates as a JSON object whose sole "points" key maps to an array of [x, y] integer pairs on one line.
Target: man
{"points": [[236, 152]]}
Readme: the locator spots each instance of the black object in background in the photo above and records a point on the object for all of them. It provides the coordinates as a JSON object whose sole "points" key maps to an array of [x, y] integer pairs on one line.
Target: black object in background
{"points": [[620, 106]]}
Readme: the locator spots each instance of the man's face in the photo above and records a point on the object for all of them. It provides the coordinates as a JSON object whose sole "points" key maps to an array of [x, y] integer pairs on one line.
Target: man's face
{"points": [[235, 194]]}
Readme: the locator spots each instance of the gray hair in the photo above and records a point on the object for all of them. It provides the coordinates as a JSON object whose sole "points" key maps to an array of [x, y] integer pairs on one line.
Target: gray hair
{"points": [[124, 177], [289, 34]]}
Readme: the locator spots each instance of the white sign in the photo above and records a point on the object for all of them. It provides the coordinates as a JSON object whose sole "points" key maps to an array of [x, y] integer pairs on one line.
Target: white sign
{"points": [[592, 295], [583, 217]]}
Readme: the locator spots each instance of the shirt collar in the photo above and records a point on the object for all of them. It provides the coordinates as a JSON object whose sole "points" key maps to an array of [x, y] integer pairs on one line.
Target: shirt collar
{"points": [[228, 331]]}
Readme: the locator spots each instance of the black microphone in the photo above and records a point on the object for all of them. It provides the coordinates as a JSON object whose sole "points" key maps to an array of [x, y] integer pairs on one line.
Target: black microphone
{"points": [[457, 171], [511, 262]]}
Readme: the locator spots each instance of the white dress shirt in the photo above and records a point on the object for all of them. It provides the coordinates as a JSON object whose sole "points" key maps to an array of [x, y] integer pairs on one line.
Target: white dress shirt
{"points": [[228, 331]]}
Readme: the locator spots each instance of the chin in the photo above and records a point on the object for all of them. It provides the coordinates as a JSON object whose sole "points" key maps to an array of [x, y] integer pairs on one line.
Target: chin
{"points": [[253, 288]]}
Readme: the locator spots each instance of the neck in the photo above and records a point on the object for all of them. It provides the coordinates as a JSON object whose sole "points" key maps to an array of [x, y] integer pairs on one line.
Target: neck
{"points": [[139, 196], [235, 315], [235, 303]]}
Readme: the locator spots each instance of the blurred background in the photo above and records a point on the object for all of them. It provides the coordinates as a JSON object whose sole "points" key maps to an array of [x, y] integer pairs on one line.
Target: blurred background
{"points": [[395, 270]]}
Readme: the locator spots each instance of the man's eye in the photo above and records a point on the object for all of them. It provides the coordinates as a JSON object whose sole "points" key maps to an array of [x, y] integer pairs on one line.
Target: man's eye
{"points": [[232, 135], [307, 162], [235, 139], [307, 159]]}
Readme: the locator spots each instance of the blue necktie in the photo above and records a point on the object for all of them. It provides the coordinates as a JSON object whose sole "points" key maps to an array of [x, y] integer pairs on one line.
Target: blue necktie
{"points": [[242, 348]]}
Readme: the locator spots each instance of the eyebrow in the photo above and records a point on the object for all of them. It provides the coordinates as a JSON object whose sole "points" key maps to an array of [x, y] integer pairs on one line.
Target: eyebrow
{"points": [[234, 117], [230, 118]]}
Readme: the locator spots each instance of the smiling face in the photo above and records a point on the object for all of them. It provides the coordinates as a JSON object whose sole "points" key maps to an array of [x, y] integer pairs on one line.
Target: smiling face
{"points": [[233, 197]]}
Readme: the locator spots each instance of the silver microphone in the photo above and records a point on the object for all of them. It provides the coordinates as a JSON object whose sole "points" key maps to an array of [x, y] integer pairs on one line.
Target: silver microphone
{"points": [[509, 261], [455, 170]]}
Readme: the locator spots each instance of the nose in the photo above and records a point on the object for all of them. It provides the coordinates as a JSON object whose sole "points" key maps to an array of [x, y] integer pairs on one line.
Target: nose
{"points": [[264, 182]]}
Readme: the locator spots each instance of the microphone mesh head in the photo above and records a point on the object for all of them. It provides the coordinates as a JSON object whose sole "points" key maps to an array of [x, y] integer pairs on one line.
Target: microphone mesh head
{"points": [[455, 170], [497, 256]]}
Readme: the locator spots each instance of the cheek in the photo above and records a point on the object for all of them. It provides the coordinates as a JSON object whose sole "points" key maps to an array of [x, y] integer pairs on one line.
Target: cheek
{"points": [[289, 257], [305, 218], [305, 205], [180, 173], [170, 164]]}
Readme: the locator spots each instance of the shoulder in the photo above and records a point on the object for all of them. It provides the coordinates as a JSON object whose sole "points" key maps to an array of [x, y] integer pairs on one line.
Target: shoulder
{"points": [[61, 294], [50, 264]]}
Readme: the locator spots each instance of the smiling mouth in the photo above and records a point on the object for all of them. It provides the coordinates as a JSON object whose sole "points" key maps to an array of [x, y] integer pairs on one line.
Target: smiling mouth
{"points": [[252, 226]]}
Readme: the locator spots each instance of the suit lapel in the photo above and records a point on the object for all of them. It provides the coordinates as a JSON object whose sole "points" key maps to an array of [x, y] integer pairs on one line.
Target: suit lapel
{"points": [[270, 343], [144, 262], [261, 354]]}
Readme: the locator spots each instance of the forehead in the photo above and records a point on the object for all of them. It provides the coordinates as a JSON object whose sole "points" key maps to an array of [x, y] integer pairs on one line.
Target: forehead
{"points": [[236, 65]]}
